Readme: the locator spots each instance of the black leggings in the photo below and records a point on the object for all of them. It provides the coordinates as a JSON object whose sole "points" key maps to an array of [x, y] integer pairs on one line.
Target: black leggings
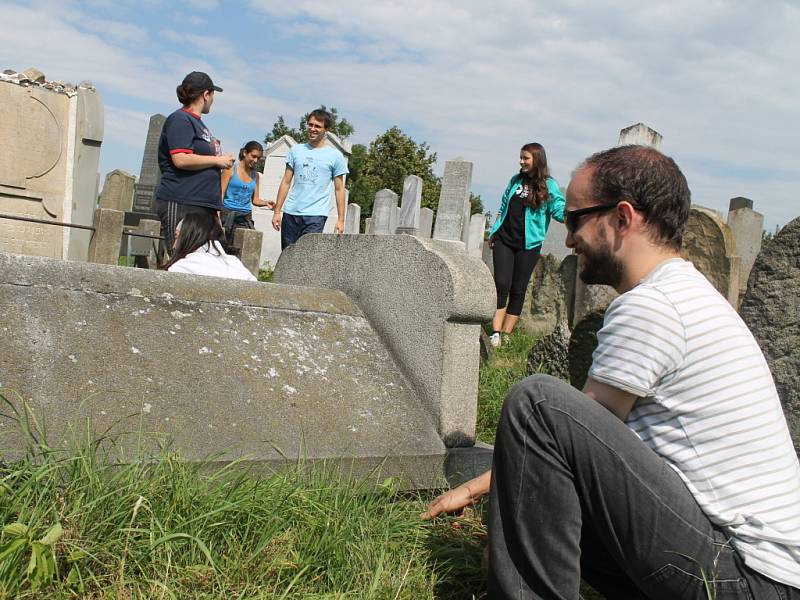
{"points": [[512, 273]]}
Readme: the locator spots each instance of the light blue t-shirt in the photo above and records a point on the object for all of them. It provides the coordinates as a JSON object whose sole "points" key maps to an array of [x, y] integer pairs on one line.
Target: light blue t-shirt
{"points": [[312, 182]]}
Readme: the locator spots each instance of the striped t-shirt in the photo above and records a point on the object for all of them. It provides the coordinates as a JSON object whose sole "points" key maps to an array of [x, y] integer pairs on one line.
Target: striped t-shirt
{"points": [[707, 404]]}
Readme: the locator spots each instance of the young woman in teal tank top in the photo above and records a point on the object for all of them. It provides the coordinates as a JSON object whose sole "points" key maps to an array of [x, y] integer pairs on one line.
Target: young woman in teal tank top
{"points": [[240, 186]]}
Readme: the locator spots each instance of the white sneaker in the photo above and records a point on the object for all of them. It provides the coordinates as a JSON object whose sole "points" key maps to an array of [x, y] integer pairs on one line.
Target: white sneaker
{"points": [[494, 340]]}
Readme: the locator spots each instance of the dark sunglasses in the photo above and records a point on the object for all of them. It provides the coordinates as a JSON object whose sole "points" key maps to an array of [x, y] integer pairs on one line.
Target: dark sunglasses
{"points": [[572, 218]]}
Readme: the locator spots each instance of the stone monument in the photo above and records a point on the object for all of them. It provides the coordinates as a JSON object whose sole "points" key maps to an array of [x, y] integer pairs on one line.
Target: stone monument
{"points": [[150, 173], [51, 136], [455, 192]]}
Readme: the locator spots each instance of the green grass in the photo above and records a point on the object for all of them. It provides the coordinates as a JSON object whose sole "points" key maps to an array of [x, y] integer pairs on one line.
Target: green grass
{"points": [[506, 366], [74, 525]]}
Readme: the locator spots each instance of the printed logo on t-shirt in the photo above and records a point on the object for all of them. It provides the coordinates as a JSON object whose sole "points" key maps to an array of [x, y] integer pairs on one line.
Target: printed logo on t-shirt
{"points": [[308, 172]]}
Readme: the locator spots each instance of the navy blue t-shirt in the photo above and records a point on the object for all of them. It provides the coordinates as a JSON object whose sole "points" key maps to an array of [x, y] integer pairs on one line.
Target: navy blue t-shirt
{"points": [[184, 131]]}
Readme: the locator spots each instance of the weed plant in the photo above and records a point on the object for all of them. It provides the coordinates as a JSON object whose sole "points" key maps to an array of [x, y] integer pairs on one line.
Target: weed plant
{"points": [[75, 524]]}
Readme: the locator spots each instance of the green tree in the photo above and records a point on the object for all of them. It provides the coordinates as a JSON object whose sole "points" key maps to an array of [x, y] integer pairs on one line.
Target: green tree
{"points": [[391, 157]]}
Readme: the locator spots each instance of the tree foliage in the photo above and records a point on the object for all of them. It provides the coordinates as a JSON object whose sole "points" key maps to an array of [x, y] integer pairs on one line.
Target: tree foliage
{"points": [[340, 126]]}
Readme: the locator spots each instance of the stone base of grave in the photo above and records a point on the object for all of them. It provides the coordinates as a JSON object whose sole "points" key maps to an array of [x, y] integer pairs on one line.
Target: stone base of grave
{"points": [[219, 369], [463, 464]]}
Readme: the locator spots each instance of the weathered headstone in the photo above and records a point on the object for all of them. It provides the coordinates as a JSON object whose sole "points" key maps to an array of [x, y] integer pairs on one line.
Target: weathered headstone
{"points": [[771, 309], [118, 191], [550, 354], [455, 192], [465, 216], [747, 226], [51, 137], [708, 243], [394, 220], [555, 242], [740, 202], [107, 236], [352, 221], [150, 173], [410, 206], [248, 242], [477, 227], [368, 225], [383, 211], [547, 298], [640, 134], [425, 222]]}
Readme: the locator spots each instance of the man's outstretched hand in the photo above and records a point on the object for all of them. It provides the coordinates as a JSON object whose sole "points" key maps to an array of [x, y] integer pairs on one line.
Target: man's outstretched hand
{"points": [[459, 498]]}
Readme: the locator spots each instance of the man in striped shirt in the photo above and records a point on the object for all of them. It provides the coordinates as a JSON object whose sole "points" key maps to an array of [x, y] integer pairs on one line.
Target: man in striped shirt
{"points": [[673, 474]]}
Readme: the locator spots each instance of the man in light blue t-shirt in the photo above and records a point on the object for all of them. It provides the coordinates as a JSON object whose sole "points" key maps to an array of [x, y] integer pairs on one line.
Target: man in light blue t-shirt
{"points": [[312, 170]]}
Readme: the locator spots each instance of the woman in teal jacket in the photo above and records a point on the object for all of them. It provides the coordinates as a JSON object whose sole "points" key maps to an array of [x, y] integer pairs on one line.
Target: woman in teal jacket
{"points": [[531, 199]]}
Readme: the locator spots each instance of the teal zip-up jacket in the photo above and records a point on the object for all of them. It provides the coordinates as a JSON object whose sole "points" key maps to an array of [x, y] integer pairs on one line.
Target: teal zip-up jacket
{"points": [[536, 221]]}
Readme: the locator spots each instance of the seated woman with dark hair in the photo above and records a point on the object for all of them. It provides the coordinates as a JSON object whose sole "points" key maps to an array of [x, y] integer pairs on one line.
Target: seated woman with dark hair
{"points": [[198, 250]]}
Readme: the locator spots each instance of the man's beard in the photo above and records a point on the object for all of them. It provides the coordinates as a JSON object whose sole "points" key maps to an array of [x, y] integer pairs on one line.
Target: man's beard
{"points": [[600, 266]]}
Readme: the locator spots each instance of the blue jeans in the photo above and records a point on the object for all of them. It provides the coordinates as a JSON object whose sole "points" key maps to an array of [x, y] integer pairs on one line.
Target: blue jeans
{"points": [[295, 226], [575, 493]]}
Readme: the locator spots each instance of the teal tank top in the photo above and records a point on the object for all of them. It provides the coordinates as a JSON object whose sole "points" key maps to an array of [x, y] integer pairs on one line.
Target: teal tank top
{"points": [[239, 194]]}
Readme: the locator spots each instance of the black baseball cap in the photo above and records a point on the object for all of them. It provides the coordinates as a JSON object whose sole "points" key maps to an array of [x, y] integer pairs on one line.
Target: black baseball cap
{"points": [[200, 82]]}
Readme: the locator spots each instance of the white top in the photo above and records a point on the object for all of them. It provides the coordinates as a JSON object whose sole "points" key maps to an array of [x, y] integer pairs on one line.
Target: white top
{"points": [[212, 262], [708, 405]]}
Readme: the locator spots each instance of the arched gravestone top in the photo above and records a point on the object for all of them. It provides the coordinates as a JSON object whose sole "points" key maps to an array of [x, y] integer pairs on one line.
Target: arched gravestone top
{"points": [[708, 243], [771, 309]]}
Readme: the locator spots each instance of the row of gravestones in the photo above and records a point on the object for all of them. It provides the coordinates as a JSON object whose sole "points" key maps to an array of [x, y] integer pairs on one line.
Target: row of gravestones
{"points": [[769, 305], [453, 219]]}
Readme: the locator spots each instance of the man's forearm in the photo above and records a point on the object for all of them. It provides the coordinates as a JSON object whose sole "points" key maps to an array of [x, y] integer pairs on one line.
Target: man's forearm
{"points": [[283, 191]]}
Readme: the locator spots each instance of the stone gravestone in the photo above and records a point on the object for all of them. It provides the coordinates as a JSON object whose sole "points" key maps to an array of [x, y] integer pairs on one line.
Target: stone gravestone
{"points": [[640, 134], [368, 225], [150, 173], [410, 206], [555, 242], [394, 220], [708, 243], [51, 137], [465, 216], [771, 309], [455, 191], [747, 226], [352, 220], [582, 343], [118, 191], [477, 227], [425, 222], [549, 295], [383, 211], [550, 354]]}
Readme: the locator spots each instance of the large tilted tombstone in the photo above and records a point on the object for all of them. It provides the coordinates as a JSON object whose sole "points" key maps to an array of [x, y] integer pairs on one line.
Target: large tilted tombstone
{"points": [[771, 309], [708, 243], [425, 298], [455, 193], [228, 370], [51, 134], [747, 227]]}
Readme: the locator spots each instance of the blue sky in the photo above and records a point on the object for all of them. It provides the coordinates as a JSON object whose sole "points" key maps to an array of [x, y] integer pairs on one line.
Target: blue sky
{"points": [[718, 79]]}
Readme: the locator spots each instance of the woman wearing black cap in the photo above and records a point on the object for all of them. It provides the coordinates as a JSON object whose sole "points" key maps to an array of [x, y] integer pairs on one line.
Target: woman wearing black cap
{"points": [[189, 159]]}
